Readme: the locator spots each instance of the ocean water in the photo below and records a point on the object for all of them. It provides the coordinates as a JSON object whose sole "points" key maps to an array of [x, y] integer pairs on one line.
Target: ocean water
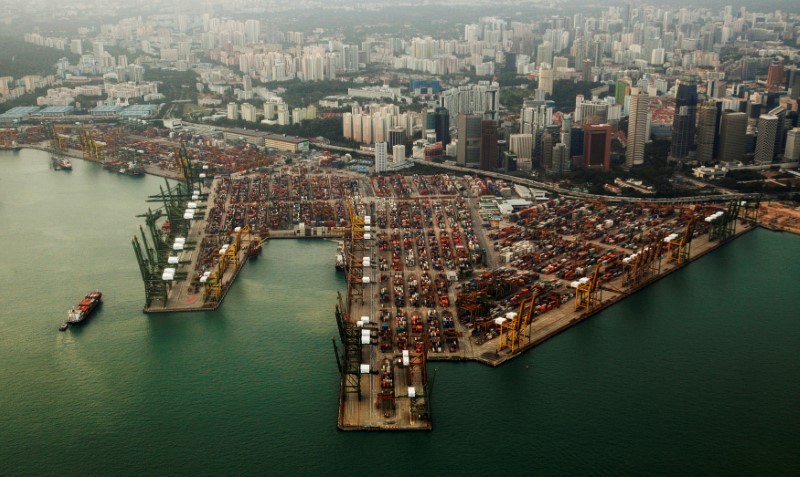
{"points": [[697, 374]]}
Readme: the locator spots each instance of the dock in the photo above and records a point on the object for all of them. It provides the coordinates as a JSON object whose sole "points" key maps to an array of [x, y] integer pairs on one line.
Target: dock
{"points": [[434, 271]]}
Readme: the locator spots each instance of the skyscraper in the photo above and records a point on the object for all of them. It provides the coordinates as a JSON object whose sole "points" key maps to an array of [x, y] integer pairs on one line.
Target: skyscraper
{"points": [[775, 76], [468, 149], [767, 138], [597, 146], [381, 157], [488, 145], [637, 128], [546, 79], [706, 132], [732, 137], [792, 152], [586, 68], [441, 123], [683, 123]]}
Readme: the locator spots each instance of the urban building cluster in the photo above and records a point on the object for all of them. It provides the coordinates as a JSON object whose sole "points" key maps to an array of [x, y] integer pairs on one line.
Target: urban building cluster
{"points": [[720, 84]]}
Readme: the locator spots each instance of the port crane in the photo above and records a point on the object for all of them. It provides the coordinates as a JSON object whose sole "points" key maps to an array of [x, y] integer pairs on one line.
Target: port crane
{"points": [[92, 150], [588, 292], [679, 247], [644, 264], [511, 330]]}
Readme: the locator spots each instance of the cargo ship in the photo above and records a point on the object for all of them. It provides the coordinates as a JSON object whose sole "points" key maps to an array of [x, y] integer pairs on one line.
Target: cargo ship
{"points": [[341, 263], [84, 309], [125, 168], [61, 163], [254, 250]]}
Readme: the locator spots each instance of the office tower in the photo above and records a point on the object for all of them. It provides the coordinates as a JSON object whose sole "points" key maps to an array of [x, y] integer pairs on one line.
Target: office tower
{"points": [[706, 132], [792, 152], [623, 88], [562, 161], [637, 128], [566, 131], [468, 149], [780, 133], [381, 157], [597, 146], [586, 68], [397, 135], [775, 76], [522, 146], [547, 152], [544, 53], [247, 83], [594, 112], [488, 146], [733, 129], [546, 79], [767, 138], [441, 124], [683, 123]]}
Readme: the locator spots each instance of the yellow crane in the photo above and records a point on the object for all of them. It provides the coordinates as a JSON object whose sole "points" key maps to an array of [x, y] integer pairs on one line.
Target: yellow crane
{"points": [[679, 248], [511, 330]]}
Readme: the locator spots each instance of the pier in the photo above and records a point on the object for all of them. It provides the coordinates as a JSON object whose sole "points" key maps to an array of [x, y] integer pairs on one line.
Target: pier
{"points": [[433, 271]]}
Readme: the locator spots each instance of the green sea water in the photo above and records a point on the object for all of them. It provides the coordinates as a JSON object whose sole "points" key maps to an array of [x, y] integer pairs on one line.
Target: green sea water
{"points": [[698, 374]]}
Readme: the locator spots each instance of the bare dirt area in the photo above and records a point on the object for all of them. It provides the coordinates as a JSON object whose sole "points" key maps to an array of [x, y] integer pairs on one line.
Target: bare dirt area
{"points": [[780, 216]]}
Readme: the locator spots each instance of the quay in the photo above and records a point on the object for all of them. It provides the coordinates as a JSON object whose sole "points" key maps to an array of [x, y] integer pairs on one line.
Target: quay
{"points": [[434, 271]]}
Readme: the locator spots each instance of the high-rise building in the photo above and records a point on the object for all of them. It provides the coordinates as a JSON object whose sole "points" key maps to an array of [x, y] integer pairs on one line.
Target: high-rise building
{"points": [[482, 98], [792, 152], [544, 53], [249, 112], [398, 154], [547, 152], [562, 161], [597, 146], [593, 112], [706, 132], [683, 123], [441, 124], [546, 79], [767, 138], [733, 130], [586, 69], [233, 111], [522, 146], [381, 157], [468, 149], [488, 146], [622, 89], [637, 128], [397, 135], [775, 76]]}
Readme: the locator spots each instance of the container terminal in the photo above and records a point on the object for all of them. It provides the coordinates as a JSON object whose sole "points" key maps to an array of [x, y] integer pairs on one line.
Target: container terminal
{"points": [[438, 267]]}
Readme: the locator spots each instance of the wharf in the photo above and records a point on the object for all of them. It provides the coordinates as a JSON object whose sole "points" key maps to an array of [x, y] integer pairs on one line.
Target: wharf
{"points": [[548, 325], [186, 295], [384, 305]]}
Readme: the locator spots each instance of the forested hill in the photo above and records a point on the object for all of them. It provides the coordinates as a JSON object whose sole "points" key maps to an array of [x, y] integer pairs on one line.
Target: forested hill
{"points": [[18, 58]]}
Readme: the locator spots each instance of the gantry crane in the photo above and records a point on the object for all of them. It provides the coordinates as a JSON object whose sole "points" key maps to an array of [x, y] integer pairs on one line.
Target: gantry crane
{"points": [[679, 248], [357, 248], [644, 264], [724, 226], [588, 293], [92, 150], [511, 331]]}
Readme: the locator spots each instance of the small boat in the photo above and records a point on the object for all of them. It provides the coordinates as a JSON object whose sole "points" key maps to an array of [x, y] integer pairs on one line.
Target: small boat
{"points": [[63, 326]]}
